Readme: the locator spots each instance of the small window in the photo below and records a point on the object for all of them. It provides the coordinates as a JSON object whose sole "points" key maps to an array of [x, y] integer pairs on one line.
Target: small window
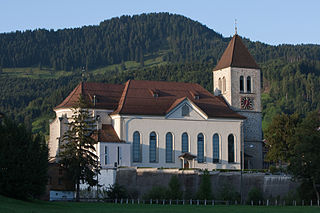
{"points": [[49, 180], [106, 155], [241, 84], [220, 84], [224, 84], [60, 181], [185, 110], [119, 155], [248, 84]]}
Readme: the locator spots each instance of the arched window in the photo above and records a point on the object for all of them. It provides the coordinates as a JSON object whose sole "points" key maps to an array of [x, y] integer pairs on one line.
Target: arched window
{"points": [[169, 147], [241, 84], [220, 84], [136, 147], [215, 148], [185, 110], [248, 84], [223, 84], [231, 148], [185, 143], [200, 148], [153, 147]]}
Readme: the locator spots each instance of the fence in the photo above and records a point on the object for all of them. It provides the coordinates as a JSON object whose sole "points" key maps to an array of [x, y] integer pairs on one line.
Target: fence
{"points": [[206, 202]]}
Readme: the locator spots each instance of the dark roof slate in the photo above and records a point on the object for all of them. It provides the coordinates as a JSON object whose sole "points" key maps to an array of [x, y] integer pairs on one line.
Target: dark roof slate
{"points": [[236, 55]]}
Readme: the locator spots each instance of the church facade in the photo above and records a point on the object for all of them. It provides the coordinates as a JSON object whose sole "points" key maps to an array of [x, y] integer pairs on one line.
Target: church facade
{"points": [[173, 124]]}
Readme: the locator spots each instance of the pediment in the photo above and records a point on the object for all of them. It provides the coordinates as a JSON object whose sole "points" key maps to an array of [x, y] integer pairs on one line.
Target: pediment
{"points": [[186, 109]]}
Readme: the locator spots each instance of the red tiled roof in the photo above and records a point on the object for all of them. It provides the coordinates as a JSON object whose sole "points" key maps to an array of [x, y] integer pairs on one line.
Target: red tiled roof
{"points": [[136, 99], [107, 95], [236, 55], [108, 134]]}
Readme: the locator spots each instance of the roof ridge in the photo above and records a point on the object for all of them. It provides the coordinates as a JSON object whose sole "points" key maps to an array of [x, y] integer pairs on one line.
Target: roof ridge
{"points": [[123, 97], [70, 96]]}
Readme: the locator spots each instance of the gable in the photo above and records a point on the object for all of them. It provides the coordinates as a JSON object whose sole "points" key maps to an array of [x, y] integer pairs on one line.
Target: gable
{"points": [[186, 110]]}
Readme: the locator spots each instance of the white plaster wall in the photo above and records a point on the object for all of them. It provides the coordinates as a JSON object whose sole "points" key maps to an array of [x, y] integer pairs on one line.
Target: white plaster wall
{"points": [[194, 113], [145, 125], [107, 177], [112, 155], [116, 124], [226, 72], [60, 125]]}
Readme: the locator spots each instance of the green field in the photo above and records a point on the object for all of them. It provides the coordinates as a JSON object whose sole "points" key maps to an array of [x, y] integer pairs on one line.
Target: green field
{"points": [[49, 73], [8, 205]]}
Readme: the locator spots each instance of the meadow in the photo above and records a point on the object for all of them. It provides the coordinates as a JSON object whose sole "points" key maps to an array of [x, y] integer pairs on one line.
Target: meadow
{"points": [[8, 205]]}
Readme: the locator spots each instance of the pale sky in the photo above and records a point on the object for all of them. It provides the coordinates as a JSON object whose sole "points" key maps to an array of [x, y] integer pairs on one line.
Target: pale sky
{"points": [[269, 21]]}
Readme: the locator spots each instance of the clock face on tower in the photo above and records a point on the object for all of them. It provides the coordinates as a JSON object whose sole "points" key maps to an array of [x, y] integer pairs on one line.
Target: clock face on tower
{"points": [[247, 103]]}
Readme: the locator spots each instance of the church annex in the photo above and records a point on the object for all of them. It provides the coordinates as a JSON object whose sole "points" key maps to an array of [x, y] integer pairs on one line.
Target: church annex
{"points": [[173, 124]]}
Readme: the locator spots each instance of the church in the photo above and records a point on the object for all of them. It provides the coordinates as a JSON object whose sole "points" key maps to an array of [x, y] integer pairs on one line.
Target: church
{"points": [[173, 124]]}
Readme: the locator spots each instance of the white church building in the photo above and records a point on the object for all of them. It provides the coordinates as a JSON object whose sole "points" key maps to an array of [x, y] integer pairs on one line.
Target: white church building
{"points": [[173, 124]]}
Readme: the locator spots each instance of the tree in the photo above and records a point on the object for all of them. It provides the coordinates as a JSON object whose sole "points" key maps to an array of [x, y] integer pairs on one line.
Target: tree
{"points": [[174, 191], [77, 152], [23, 161], [298, 144], [205, 186], [279, 136], [305, 163]]}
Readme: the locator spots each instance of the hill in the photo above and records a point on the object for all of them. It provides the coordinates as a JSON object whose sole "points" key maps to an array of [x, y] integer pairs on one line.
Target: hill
{"points": [[39, 68]]}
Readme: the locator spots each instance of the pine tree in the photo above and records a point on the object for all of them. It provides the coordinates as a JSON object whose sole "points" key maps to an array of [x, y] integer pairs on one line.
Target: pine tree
{"points": [[77, 152], [23, 161]]}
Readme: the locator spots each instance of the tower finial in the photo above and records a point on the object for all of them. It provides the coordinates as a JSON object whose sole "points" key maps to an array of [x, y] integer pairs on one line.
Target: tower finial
{"points": [[235, 27]]}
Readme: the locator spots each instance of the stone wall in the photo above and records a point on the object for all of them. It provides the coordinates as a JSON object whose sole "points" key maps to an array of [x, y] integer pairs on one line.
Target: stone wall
{"points": [[141, 181]]}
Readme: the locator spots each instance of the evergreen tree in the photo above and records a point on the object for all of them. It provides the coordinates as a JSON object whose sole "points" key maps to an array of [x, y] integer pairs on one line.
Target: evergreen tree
{"points": [[205, 192], [77, 152], [23, 161], [174, 191]]}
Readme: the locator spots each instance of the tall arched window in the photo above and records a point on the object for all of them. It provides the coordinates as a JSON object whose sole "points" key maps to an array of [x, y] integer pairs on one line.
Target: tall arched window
{"points": [[248, 84], [223, 84], [241, 84], [185, 143], [220, 84], [136, 147], [215, 148], [153, 147], [169, 147], [231, 148], [200, 148]]}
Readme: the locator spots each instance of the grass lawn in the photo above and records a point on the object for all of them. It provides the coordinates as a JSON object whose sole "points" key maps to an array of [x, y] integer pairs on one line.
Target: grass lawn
{"points": [[8, 205]]}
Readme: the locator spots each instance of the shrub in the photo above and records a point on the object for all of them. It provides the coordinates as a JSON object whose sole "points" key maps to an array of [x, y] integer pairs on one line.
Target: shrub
{"points": [[254, 195], [204, 192], [174, 191], [157, 192], [228, 193], [116, 191]]}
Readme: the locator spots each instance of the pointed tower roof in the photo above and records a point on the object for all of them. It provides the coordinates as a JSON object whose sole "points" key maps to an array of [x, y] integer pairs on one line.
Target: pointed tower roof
{"points": [[236, 55]]}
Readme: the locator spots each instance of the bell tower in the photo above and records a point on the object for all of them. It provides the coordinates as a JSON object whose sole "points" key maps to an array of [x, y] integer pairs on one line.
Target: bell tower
{"points": [[237, 78]]}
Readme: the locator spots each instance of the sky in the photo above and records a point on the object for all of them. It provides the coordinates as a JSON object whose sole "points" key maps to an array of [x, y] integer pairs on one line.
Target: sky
{"points": [[270, 21]]}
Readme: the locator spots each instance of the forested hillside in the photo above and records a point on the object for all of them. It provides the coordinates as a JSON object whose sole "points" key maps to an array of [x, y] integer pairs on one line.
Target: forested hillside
{"points": [[158, 46]]}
